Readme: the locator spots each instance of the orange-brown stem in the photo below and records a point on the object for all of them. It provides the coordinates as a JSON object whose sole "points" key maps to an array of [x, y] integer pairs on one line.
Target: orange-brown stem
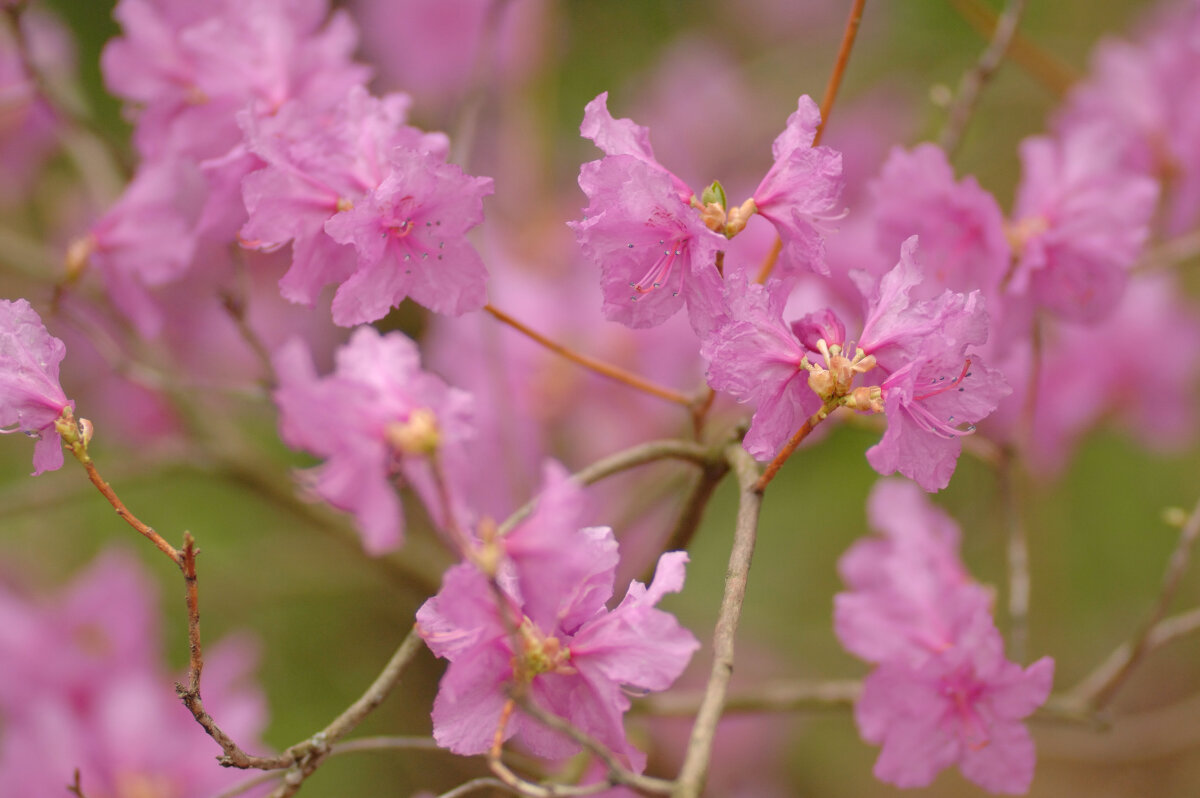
{"points": [[129, 518], [831, 92], [591, 363], [774, 466], [839, 66]]}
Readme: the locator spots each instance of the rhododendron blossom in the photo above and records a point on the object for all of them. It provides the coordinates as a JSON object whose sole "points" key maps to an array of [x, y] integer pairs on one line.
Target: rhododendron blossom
{"points": [[552, 637], [931, 388], [943, 692], [368, 202], [377, 419], [31, 398]]}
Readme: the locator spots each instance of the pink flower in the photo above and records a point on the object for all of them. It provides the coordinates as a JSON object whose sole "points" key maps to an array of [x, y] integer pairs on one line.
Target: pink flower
{"points": [[377, 419], [85, 689], [1080, 221], [961, 227], [943, 692], [800, 189], [31, 398], [757, 359], [190, 68], [935, 391], [1142, 92], [932, 388], [570, 653], [963, 706], [410, 237], [909, 592], [654, 252], [148, 237]]}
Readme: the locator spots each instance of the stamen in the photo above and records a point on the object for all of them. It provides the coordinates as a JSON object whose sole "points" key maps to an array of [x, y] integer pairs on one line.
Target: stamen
{"points": [[658, 273], [943, 388]]}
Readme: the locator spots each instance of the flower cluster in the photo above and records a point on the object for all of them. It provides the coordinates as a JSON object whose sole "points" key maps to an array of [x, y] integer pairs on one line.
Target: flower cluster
{"points": [[529, 614], [942, 692]]}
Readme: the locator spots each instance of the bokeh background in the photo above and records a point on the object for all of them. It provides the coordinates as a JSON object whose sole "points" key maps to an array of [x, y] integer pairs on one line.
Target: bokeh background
{"points": [[714, 81]]}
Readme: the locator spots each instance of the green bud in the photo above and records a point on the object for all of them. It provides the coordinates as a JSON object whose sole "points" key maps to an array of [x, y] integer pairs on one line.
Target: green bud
{"points": [[714, 194]]}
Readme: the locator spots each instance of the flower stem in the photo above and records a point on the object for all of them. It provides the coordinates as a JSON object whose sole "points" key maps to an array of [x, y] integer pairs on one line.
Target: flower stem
{"points": [[699, 751], [975, 78], [781, 458], [839, 66], [598, 366], [831, 92], [1048, 69], [128, 517]]}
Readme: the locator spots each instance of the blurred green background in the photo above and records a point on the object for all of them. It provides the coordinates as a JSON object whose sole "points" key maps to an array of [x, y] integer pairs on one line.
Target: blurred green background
{"points": [[329, 617]]}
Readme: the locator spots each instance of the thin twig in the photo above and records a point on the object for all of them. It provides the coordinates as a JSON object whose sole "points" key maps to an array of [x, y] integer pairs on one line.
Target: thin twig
{"points": [[599, 366], [839, 67], [1051, 71], [831, 91], [1100, 687], [128, 517], [75, 787], [975, 78], [781, 696], [634, 456], [475, 785], [1011, 502], [694, 506], [781, 458], [358, 745], [699, 751], [617, 772]]}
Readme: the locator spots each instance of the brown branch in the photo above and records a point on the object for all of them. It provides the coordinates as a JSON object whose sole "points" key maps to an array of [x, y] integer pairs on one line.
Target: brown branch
{"points": [[1054, 73], [781, 458], [839, 67], [1099, 688], [975, 78], [475, 785], [599, 366], [618, 774], [831, 91], [694, 506], [781, 696], [128, 517], [75, 787], [634, 456], [699, 751]]}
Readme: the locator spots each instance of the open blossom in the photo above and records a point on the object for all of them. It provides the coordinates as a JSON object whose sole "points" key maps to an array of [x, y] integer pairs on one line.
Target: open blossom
{"points": [[801, 188], [1142, 92], [943, 692], [31, 398], [1080, 220], [570, 653], [961, 226], [409, 234], [654, 251], [932, 388], [367, 202], [377, 419], [189, 68]]}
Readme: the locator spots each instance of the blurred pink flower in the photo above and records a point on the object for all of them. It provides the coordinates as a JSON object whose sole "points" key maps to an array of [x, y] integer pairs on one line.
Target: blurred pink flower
{"points": [[31, 398], [84, 689], [942, 692], [376, 419]]}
